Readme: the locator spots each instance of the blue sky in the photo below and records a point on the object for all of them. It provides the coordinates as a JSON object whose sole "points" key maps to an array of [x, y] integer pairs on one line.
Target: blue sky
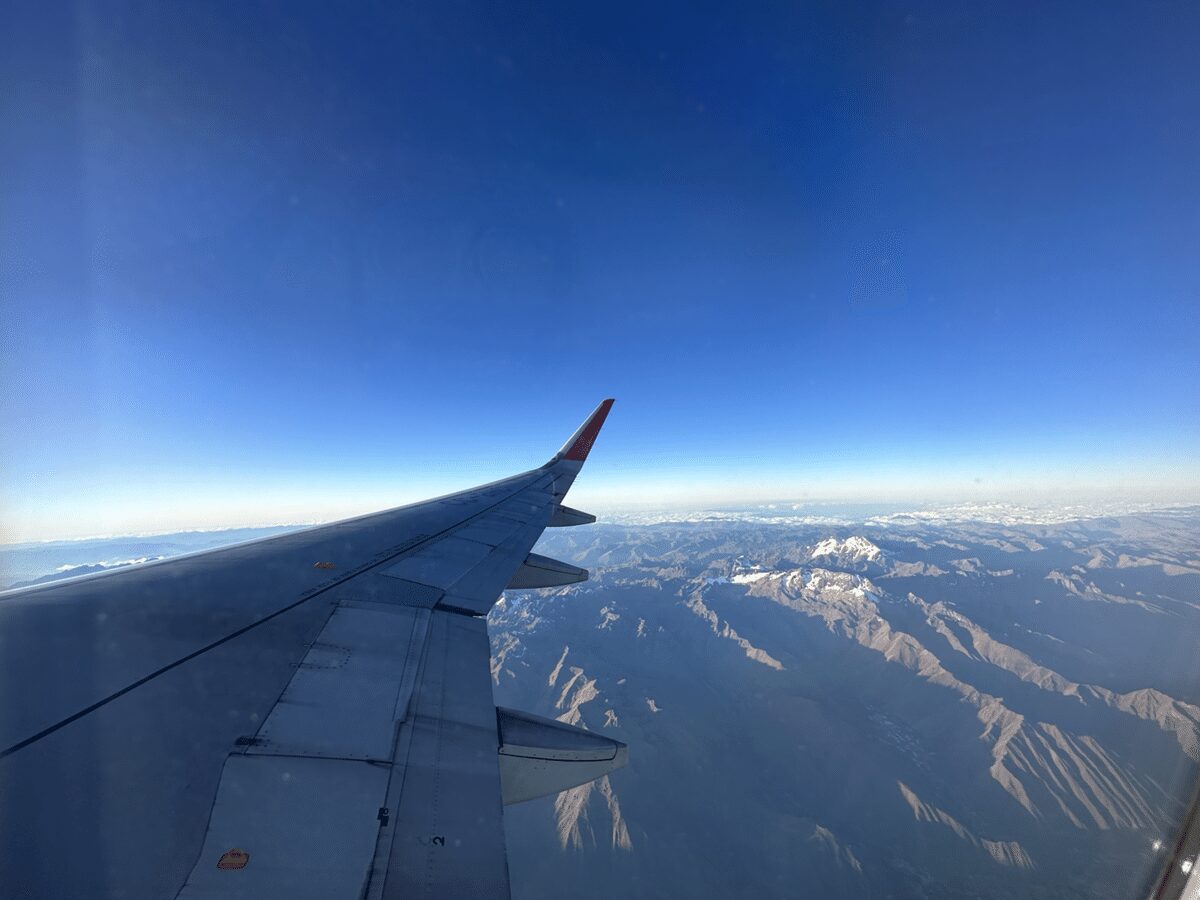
{"points": [[283, 262]]}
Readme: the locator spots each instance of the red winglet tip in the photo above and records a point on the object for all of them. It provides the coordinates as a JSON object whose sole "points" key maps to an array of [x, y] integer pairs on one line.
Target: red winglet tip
{"points": [[586, 436]]}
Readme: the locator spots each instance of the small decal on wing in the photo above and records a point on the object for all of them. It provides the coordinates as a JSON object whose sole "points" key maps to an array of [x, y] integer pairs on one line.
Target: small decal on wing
{"points": [[233, 859], [324, 565]]}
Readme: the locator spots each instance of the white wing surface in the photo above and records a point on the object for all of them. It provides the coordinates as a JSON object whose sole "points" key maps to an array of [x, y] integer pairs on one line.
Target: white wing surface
{"points": [[309, 715]]}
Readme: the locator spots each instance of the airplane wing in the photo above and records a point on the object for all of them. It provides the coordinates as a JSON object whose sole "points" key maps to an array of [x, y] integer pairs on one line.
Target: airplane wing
{"points": [[309, 715]]}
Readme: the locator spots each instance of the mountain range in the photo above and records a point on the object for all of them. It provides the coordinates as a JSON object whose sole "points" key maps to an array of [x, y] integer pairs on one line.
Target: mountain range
{"points": [[919, 707]]}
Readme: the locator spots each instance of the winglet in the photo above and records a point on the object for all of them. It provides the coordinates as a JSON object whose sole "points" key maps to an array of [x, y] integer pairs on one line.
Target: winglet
{"points": [[578, 444]]}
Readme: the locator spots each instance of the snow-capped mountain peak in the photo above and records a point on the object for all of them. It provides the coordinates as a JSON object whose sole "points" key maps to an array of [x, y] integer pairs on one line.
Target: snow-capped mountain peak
{"points": [[853, 549]]}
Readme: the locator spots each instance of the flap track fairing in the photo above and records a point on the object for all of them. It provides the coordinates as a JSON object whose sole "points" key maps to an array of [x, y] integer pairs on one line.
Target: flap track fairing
{"points": [[541, 756]]}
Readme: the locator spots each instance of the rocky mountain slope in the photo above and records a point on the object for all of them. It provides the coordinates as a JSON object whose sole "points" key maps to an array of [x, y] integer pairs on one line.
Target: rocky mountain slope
{"points": [[922, 708]]}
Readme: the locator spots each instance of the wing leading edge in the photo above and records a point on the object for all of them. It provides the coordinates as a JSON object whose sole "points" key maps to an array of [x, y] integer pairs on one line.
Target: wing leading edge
{"points": [[305, 716]]}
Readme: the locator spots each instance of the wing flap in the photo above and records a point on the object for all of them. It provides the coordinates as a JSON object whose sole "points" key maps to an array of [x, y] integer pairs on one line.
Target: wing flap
{"points": [[446, 837], [267, 808], [342, 700]]}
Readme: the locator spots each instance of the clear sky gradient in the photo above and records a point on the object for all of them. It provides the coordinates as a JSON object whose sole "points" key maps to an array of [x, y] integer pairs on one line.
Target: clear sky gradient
{"points": [[285, 262]]}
